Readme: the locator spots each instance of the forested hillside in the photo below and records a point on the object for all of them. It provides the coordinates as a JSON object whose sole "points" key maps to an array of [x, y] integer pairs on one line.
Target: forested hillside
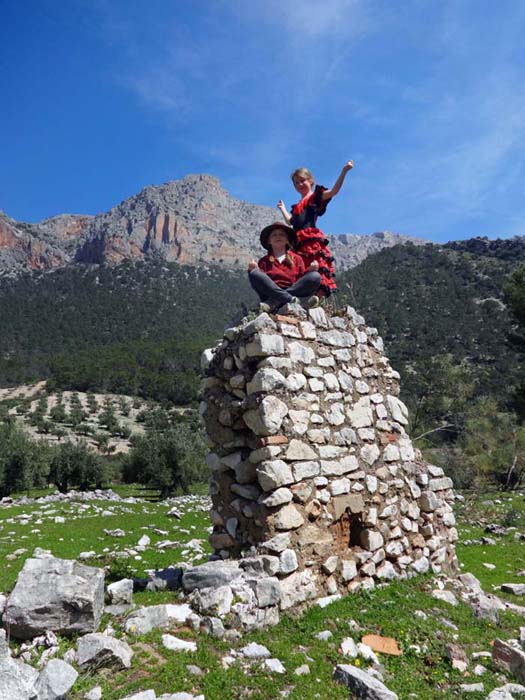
{"points": [[446, 327], [138, 328]]}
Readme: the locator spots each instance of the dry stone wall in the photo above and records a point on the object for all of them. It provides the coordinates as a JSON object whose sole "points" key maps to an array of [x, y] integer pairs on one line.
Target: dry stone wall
{"points": [[315, 481]]}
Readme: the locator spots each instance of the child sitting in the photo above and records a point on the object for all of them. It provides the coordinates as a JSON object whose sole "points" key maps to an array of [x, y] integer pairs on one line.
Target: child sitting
{"points": [[280, 277]]}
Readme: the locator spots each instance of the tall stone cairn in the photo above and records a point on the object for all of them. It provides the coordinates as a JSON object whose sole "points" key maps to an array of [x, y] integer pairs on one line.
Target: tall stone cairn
{"points": [[313, 472]]}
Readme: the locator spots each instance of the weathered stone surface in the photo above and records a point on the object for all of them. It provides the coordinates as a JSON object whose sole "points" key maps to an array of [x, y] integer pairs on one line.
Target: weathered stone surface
{"points": [[211, 575], [288, 518], [313, 535], [360, 416], [441, 484], [54, 682], [305, 470], [429, 502], [145, 619], [300, 352], [288, 562], [214, 601], [268, 417], [121, 592], [266, 379], [362, 684], [55, 594], [169, 641], [297, 588], [371, 539], [17, 679], [277, 498], [267, 591], [398, 410], [299, 450], [272, 475], [265, 344], [509, 659], [513, 588], [100, 650], [353, 503]]}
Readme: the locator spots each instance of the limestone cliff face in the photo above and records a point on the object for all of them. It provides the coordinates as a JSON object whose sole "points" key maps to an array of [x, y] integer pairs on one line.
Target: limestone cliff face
{"points": [[192, 221], [37, 246]]}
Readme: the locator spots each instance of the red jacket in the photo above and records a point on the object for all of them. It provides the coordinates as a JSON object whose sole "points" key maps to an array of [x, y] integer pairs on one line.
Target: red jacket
{"points": [[283, 274]]}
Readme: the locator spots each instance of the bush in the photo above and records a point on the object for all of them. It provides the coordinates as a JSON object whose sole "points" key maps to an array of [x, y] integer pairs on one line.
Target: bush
{"points": [[169, 460], [76, 465], [23, 464]]}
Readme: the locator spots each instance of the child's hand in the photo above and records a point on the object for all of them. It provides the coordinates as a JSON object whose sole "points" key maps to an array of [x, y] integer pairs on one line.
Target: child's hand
{"points": [[281, 205], [348, 166], [252, 265], [314, 266]]}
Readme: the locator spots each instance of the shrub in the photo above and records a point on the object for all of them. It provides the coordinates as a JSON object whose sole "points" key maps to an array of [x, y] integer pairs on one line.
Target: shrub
{"points": [[169, 460]]}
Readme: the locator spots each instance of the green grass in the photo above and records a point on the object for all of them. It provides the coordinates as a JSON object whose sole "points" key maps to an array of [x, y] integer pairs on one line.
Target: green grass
{"points": [[422, 671], [83, 531]]}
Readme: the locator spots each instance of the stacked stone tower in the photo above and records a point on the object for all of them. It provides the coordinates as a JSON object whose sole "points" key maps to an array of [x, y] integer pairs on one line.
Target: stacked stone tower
{"points": [[313, 472]]}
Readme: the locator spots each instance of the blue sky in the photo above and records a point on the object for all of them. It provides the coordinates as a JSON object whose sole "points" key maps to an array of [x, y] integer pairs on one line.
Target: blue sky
{"points": [[103, 97]]}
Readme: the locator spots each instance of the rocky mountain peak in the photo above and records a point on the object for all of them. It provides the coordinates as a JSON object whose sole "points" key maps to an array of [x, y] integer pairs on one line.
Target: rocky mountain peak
{"points": [[193, 221]]}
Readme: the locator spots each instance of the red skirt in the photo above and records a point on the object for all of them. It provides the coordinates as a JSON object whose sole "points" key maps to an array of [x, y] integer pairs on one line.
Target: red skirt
{"points": [[313, 245]]}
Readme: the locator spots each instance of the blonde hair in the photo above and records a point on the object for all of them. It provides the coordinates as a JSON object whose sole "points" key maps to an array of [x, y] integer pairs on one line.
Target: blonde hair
{"points": [[302, 172]]}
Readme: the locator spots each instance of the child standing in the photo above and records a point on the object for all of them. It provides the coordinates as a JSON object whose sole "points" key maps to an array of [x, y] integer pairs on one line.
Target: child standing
{"points": [[280, 277], [312, 245]]}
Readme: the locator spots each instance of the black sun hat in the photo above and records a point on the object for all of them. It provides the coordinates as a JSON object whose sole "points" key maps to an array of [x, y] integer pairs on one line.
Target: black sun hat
{"points": [[265, 234]]}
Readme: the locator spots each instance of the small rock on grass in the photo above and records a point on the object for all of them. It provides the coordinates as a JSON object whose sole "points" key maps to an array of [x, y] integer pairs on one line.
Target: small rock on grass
{"points": [[255, 651], [514, 588], [472, 687], [445, 596], [349, 647], [174, 644], [94, 694], [274, 665], [143, 695], [362, 683], [194, 670], [509, 691], [323, 636], [303, 670]]}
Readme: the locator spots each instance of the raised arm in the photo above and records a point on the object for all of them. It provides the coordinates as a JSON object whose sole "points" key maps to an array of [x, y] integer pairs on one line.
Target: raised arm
{"points": [[284, 211], [328, 194]]}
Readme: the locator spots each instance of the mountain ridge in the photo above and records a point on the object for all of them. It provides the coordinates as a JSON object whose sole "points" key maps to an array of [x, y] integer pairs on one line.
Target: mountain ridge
{"points": [[192, 221]]}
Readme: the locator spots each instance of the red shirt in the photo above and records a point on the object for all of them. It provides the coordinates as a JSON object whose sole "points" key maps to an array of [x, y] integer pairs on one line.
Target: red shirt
{"points": [[282, 273]]}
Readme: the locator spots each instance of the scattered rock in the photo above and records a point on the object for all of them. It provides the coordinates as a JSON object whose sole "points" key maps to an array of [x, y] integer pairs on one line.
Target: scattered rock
{"points": [[100, 650], [55, 681], [55, 594], [363, 684], [174, 644]]}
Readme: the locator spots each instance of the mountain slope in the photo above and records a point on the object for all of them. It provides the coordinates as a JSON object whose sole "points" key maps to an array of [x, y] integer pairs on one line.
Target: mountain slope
{"points": [[442, 302], [192, 221]]}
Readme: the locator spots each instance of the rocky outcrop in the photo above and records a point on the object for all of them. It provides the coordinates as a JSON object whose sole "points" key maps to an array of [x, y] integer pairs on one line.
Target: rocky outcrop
{"points": [[55, 594], [316, 485], [35, 247], [192, 221]]}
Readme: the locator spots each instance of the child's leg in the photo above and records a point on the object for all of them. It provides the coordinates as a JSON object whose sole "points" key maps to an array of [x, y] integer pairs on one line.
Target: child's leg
{"points": [[306, 285], [267, 290]]}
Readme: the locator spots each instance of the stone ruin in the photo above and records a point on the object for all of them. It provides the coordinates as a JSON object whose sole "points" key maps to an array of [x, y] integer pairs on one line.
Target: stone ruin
{"points": [[315, 481]]}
